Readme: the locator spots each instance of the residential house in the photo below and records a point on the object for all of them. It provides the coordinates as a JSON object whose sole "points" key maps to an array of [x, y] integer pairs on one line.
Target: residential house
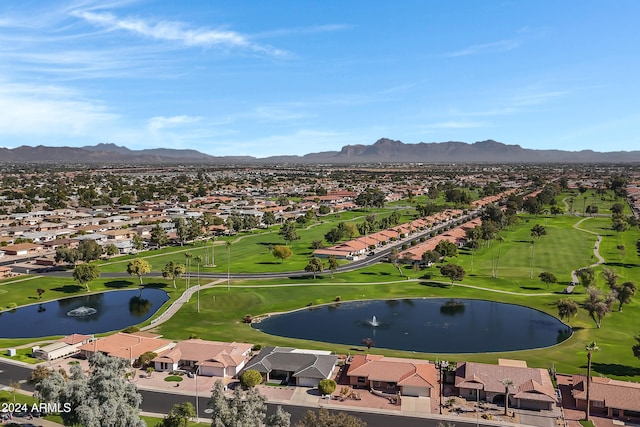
{"points": [[209, 358], [408, 377], [531, 387], [126, 346], [288, 365], [615, 398]]}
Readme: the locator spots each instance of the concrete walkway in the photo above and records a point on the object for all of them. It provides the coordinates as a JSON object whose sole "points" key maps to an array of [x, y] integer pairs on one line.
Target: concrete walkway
{"points": [[178, 303]]}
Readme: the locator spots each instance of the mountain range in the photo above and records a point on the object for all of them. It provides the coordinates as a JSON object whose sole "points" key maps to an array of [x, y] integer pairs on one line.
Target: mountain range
{"points": [[382, 151]]}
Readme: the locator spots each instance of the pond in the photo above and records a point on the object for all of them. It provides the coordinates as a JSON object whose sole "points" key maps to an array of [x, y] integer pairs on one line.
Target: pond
{"points": [[428, 325], [87, 314]]}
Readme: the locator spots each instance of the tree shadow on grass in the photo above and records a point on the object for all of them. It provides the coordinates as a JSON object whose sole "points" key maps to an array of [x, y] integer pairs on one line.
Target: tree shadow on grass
{"points": [[531, 288], [435, 284], [118, 284], [614, 369], [270, 243], [269, 262], [156, 285], [622, 264], [68, 289]]}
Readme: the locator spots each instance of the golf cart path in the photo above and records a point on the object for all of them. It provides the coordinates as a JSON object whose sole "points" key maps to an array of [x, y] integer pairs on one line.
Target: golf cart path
{"points": [[178, 303], [596, 248]]}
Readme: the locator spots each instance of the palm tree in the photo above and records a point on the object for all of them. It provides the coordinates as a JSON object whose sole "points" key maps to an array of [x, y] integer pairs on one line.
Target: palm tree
{"points": [[591, 348], [533, 246], [228, 244], [188, 256], [567, 308], [198, 261], [213, 255], [507, 383], [500, 239]]}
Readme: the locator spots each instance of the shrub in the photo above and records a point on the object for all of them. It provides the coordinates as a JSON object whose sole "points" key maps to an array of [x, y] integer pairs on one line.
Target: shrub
{"points": [[131, 329], [326, 386], [337, 299], [247, 318], [250, 378], [256, 347], [12, 305]]}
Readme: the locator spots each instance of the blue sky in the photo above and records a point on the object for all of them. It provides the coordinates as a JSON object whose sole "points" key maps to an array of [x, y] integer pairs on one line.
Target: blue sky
{"points": [[268, 78]]}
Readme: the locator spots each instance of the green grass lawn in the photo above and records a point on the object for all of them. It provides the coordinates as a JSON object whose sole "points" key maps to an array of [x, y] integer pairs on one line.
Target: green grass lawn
{"points": [[590, 198], [220, 319], [154, 421], [563, 249]]}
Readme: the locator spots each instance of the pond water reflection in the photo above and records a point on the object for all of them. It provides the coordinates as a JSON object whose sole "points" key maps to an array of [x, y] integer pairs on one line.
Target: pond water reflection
{"points": [[90, 314], [430, 325]]}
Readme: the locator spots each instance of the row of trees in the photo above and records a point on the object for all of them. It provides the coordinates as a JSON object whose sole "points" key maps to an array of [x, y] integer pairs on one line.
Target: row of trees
{"points": [[598, 303]]}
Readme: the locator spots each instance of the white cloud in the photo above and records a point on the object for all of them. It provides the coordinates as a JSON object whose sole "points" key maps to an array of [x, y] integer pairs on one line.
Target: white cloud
{"points": [[49, 110], [456, 124], [162, 122], [177, 32], [493, 47]]}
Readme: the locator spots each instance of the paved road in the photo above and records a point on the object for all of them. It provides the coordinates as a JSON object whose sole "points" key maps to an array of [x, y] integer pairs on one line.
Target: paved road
{"points": [[380, 255]]}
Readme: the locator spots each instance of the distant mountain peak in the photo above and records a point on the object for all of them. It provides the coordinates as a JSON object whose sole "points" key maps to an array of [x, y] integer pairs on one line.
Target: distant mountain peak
{"points": [[384, 150]]}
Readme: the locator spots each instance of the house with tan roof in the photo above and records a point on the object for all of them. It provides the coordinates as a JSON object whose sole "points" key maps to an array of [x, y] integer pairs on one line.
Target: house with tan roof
{"points": [[208, 358], [391, 375], [126, 346], [615, 398], [532, 387]]}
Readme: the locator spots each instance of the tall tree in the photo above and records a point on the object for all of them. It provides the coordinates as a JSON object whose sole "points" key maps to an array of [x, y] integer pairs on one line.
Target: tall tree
{"points": [[453, 272], [89, 250], [507, 383], [288, 232], [282, 252], [624, 293], [173, 271], [228, 245], [325, 418], [597, 304], [636, 347], [179, 415], [198, 260], [137, 242], [69, 255], [159, 236], [315, 266], [103, 398], [590, 348], [567, 308], [394, 260], [333, 264], [182, 231], [586, 276], [187, 256], [138, 267], [446, 248], [244, 409], [280, 418], [547, 278], [84, 273], [611, 277]]}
